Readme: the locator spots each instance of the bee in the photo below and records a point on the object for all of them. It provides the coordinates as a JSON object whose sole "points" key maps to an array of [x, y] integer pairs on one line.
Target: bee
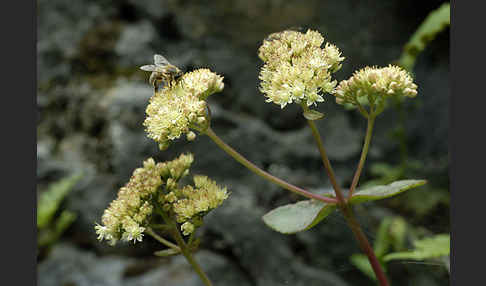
{"points": [[162, 72]]}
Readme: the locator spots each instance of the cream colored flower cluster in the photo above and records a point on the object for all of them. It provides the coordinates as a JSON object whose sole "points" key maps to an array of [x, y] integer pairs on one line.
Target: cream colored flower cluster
{"points": [[202, 83], [375, 84], [190, 203], [127, 215], [177, 108], [155, 185], [176, 169], [296, 68]]}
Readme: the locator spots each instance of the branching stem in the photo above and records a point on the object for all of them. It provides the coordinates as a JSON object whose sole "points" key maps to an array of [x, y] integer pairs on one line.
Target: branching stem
{"points": [[255, 169], [326, 162], [183, 247], [161, 239], [345, 207], [188, 255]]}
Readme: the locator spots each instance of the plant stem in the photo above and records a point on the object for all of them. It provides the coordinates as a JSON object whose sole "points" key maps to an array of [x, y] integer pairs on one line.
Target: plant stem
{"points": [[255, 169], [188, 255], [345, 208], [182, 246], [325, 161], [364, 153], [364, 244], [161, 239]]}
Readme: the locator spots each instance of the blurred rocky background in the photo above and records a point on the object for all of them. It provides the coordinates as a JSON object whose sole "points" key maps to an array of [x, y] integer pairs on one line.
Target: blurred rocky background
{"points": [[91, 98]]}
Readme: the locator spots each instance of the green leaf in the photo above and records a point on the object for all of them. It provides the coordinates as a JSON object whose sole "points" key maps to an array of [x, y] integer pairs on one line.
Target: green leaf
{"points": [[382, 192], [383, 239], [50, 200], [303, 215], [361, 262], [427, 248], [313, 114], [398, 232], [52, 234], [297, 217], [64, 221], [435, 22]]}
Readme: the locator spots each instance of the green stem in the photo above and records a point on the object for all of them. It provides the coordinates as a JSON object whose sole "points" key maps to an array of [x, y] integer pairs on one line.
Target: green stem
{"points": [[188, 255], [326, 162], [184, 248], [362, 110], [161, 239], [345, 208], [255, 169], [364, 153]]}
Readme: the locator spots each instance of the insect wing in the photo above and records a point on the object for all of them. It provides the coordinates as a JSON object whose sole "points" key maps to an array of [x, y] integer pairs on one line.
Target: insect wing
{"points": [[148, 68], [160, 60]]}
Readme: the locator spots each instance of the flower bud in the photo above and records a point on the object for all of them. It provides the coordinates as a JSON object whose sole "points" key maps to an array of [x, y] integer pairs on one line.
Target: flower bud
{"points": [[375, 85], [191, 136]]}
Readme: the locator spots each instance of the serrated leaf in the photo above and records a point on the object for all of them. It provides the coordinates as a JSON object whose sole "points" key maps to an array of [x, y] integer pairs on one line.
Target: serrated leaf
{"points": [[386, 191], [435, 22], [427, 248], [297, 217], [313, 114]]}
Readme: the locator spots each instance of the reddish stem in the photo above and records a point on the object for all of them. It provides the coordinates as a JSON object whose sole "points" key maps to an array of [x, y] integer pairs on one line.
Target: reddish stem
{"points": [[254, 168]]}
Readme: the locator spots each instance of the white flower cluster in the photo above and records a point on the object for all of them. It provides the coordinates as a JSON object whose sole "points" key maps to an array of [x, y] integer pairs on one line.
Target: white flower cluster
{"points": [[296, 68], [177, 108], [202, 83]]}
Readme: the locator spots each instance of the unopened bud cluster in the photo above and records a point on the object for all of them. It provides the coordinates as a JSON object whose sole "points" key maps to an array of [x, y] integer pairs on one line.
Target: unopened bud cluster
{"points": [[177, 108], [128, 214], [193, 202], [155, 186], [375, 85], [296, 68]]}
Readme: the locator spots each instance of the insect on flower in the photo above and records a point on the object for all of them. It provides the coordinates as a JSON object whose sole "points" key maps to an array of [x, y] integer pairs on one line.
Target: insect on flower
{"points": [[162, 72]]}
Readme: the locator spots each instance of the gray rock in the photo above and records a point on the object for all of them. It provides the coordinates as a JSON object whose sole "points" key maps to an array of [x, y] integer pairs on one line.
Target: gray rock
{"points": [[237, 227], [125, 105], [153, 8], [133, 46], [92, 99], [68, 265], [61, 27]]}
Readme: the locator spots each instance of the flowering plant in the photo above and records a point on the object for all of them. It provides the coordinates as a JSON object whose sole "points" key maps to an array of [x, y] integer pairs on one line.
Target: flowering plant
{"points": [[298, 68]]}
